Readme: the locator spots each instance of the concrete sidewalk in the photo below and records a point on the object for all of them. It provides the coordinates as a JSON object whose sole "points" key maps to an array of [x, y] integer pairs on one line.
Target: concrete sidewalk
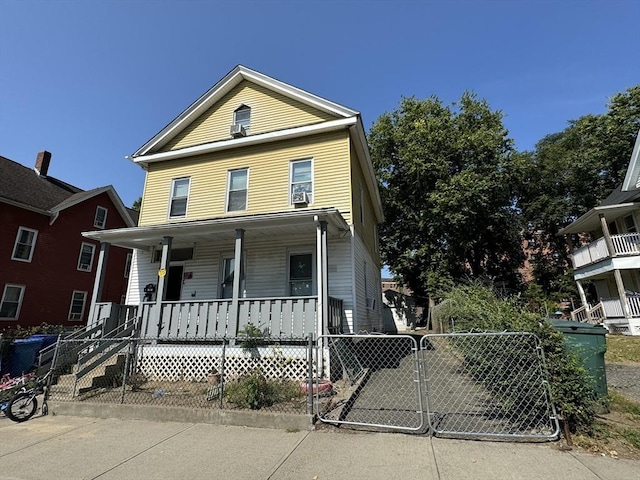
{"points": [[67, 447]]}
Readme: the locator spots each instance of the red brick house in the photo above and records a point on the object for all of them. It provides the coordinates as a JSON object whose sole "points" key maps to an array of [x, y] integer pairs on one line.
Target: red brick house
{"points": [[47, 268]]}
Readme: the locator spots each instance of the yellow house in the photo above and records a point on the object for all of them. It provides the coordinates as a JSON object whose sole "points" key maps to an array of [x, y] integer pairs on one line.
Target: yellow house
{"points": [[260, 206]]}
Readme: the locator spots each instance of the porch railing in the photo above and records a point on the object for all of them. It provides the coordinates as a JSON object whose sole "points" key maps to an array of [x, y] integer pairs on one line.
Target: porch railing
{"points": [[623, 244], [608, 308], [293, 317]]}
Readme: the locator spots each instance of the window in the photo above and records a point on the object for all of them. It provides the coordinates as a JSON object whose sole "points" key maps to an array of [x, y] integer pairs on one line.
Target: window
{"points": [[300, 274], [301, 180], [242, 116], [25, 244], [179, 197], [227, 275], [237, 188], [127, 266], [85, 261], [629, 224], [11, 301], [78, 300], [100, 219], [177, 254]]}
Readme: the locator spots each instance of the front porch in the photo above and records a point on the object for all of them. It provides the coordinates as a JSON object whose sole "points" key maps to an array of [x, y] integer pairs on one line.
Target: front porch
{"points": [[271, 272], [622, 245], [611, 313]]}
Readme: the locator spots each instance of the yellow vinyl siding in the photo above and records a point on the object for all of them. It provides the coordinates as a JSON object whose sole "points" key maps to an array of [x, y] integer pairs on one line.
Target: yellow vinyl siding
{"points": [[365, 232], [268, 190], [269, 111]]}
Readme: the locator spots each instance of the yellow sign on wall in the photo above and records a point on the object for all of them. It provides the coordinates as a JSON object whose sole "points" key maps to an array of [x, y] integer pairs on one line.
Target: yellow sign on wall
{"points": [[162, 272]]}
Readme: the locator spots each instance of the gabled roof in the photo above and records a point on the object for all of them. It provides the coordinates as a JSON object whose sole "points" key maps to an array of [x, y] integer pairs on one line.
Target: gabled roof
{"points": [[632, 178], [220, 89], [24, 187], [347, 118]]}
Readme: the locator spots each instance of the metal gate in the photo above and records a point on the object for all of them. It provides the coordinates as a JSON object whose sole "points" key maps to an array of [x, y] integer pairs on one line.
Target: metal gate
{"points": [[375, 379], [479, 385]]}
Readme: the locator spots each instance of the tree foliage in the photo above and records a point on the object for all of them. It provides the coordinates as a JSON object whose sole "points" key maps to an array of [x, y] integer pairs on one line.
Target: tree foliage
{"points": [[445, 177], [569, 173]]}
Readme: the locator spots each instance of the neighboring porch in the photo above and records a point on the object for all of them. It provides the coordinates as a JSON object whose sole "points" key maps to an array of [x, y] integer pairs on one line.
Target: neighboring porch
{"points": [[268, 271]]}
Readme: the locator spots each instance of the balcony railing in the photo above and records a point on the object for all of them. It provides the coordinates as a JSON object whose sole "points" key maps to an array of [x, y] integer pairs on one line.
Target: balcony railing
{"points": [[623, 244], [290, 317]]}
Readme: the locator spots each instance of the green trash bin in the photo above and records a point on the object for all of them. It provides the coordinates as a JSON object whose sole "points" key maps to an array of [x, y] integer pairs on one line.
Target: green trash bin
{"points": [[589, 343]]}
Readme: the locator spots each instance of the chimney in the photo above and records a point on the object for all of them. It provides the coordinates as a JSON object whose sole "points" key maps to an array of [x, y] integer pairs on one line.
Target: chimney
{"points": [[42, 163]]}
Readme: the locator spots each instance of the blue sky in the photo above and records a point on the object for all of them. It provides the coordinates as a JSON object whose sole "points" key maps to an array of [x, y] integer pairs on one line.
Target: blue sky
{"points": [[92, 81]]}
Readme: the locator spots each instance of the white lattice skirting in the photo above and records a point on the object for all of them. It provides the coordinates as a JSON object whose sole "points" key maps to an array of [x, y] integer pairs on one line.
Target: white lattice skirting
{"points": [[194, 362]]}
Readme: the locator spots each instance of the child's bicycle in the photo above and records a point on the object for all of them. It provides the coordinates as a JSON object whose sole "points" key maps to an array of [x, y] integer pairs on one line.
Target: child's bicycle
{"points": [[9, 387], [24, 404]]}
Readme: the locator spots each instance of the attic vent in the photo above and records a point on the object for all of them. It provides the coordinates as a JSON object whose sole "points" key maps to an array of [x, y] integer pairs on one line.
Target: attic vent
{"points": [[237, 131]]}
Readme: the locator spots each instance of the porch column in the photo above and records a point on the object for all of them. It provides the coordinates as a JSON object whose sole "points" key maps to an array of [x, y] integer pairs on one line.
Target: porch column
{"points": [[607, 235], [98, 283], [583, 297], [234, 315], [622, 294], [322, 277], [165, 261]]}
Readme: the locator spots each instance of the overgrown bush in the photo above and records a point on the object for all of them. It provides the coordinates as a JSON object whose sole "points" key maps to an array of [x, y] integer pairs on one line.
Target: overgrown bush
{"points": [[255, 391], [476, 308]]}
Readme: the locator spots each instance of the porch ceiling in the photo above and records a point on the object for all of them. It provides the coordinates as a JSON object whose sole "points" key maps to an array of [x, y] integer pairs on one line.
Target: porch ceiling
{"points": [[285, 224], [590, 221]]}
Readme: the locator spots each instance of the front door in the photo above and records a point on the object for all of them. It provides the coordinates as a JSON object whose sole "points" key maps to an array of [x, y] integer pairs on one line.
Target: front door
{"points": [[174, 282]]}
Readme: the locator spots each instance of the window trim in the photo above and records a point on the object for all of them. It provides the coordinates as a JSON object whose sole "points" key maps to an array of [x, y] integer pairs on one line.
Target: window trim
{"points": [[84, 304], [22, 288], [93, 254], [246, 190], [242, 108], [172, 198], [95, 218], [33, 245], [291, 164], [314, 273]]}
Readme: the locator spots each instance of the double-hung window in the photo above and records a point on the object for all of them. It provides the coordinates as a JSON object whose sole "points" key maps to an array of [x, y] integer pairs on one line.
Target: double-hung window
{"points": [[302, 179], [11, 301], [179, 197], [25, 244], [127, 265], [78, 300], [85, 260], [100, 220], [242, 116], [237, 190]]}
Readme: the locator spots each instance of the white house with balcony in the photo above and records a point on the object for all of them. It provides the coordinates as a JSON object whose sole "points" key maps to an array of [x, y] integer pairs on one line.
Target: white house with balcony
{"points": [[610, 263]]}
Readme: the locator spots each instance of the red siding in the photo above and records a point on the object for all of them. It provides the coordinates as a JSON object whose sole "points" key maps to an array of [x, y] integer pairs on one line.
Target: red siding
{"points": [[52, 275]]}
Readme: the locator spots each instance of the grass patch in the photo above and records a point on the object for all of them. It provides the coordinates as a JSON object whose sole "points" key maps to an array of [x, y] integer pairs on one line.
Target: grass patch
{"points": [[622, 348], [622, 404]]}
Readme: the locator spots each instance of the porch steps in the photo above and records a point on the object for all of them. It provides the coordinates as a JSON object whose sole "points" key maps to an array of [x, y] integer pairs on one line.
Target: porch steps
{"points": [[102, 376]]}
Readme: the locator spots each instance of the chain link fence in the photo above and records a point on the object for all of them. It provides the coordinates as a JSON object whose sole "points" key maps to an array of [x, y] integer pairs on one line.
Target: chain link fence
{"points": [[487, 385], [231, 373], [466, 385], [375, 381]]}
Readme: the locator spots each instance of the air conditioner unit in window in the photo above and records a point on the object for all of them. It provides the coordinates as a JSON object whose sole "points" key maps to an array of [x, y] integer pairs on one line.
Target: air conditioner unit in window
{"points": [[237, 130], [300, 198], [85, 266]]}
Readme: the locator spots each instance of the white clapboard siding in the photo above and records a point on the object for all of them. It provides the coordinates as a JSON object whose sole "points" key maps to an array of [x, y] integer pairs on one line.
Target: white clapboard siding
{"points": [[266, 269], [367, 319]]}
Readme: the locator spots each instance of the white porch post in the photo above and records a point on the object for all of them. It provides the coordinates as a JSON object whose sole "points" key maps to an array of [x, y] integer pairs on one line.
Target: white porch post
{"points": [[607, 235], [234, 316], [98, 283], [165, 261], [583, 297], [322, 279], [621, 293]]}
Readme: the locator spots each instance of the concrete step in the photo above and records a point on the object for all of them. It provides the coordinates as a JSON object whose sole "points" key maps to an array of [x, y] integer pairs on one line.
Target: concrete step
{"points": [[103, 375]]}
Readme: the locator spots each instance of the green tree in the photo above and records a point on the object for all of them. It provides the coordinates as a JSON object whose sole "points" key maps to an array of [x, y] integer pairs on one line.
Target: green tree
{"points": [[136, 205], [445, 179], [567, 174]]}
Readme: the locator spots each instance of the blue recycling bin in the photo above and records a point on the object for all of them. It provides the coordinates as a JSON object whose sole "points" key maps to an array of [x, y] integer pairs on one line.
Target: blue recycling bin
{"points": [[23, 355]]}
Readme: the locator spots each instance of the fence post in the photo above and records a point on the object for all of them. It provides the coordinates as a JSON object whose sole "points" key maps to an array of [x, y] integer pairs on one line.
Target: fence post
{"points": [[222, 373], [126, 370], [310, 376]]}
